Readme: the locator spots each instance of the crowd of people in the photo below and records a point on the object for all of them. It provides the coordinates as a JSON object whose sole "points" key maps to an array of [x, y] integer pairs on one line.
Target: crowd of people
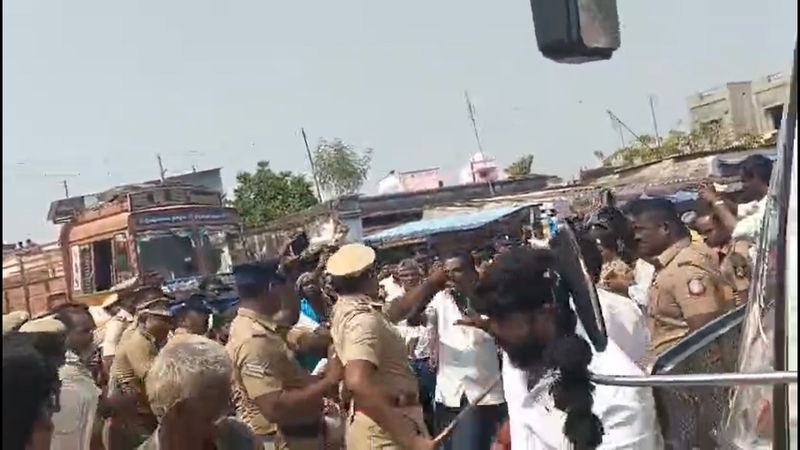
{"points": [[461, 351]]}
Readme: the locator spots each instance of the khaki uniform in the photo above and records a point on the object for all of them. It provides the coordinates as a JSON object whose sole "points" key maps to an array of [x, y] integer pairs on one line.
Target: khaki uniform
{"points": [[362, 332], [134, 357], [734, 265], [263, 364], [684, 285]]}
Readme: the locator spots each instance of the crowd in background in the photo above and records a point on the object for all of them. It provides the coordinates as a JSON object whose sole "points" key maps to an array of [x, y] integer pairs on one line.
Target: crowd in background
{"points": [[492, 355]]}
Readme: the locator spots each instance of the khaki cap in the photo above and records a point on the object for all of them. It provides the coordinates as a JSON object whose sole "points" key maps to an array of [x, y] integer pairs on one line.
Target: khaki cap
{"points": [[14, 320], [110, 299], [43, 325], [350, 259]]}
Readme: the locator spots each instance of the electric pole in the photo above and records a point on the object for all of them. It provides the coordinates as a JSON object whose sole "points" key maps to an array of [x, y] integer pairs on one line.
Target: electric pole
{"points": [[161, 171], [311, 163], [653, 115], [66, 188]]}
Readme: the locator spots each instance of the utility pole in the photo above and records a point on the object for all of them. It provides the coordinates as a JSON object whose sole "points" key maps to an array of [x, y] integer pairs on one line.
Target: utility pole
{"points": [[655, 122], [311, 163], [66, 188], [161, 171], [471, 111]]}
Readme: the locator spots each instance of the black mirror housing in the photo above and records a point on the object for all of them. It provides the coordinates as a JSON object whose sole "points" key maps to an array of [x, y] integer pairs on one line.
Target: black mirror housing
{"points": [[576, 31]]}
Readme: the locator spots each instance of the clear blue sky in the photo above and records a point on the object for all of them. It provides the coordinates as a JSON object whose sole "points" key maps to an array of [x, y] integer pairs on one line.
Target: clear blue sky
{"points": [[93, 89]]}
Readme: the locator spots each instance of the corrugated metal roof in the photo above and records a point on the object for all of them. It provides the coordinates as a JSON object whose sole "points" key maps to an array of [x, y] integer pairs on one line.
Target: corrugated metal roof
{"points": [[427, 227]]}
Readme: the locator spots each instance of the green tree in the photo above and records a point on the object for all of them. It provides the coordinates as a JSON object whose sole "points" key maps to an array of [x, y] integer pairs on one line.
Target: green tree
{"points": [[266, 195], [340, 169], [521, 167], [703, 138]]}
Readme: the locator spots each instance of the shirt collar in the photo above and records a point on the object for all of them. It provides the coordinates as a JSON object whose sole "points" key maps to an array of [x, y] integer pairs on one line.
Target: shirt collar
{"points": [[671, 252], [261, 319]]}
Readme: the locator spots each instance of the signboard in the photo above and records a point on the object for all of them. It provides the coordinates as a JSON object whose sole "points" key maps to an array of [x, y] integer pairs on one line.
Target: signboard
{"points": [[184, 217], [172, 196]]}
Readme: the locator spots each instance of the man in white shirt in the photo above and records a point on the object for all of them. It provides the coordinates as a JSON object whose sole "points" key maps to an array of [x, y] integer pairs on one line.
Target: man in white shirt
{"points": [[468, 362], [549, 362], [79, 395]]}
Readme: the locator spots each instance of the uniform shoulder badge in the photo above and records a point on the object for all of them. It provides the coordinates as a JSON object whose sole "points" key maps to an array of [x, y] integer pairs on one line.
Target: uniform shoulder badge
{"points": [[696, 287], [256, 370]]}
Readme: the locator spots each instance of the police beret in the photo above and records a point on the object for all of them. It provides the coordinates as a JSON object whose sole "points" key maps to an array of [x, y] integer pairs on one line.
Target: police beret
{"points": [[350, 259]]}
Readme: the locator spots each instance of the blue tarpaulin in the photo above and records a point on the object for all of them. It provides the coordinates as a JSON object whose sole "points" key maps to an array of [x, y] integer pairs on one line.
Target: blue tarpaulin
{"points": [[427, 227]]}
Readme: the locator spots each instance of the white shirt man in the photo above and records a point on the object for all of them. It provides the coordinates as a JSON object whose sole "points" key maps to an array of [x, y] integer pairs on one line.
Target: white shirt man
{"points": [[468, 361], [79, 396], [114, 329], [625, 324], [628, 414]]}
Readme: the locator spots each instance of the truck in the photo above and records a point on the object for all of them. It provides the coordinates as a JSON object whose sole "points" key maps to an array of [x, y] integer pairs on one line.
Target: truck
{"points": [[182, 233]]}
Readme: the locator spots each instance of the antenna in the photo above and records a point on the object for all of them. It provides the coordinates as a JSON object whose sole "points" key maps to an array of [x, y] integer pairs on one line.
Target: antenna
{"points": [[622, 124]]}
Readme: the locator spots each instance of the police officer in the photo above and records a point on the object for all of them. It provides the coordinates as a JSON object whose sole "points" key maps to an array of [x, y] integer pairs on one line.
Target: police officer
{"points": [[732, 254], [685, 293], [134, 356], [273, 395], [385, 410]]}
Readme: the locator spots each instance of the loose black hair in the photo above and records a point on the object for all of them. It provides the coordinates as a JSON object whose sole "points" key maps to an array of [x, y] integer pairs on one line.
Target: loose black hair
{"points": [[523, 279], [29, 383], [758, 167]]}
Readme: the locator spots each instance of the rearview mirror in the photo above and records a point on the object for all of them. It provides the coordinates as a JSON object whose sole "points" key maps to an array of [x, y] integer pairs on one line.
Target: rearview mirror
{"points": [[576, 31]]}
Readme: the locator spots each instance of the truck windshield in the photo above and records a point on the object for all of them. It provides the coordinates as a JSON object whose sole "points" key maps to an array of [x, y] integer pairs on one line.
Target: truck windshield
{"points": [[218, 247], [170, 253]]}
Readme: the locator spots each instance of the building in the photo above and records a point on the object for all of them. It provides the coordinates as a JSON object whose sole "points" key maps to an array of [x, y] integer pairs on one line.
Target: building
{"points": [[746, 106]]}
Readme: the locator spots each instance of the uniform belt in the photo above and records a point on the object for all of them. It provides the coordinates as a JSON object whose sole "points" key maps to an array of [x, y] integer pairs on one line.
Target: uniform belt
{"points": [[398, 401]]}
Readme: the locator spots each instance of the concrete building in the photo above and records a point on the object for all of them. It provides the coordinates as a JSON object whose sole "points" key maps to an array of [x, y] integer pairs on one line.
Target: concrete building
{"points": [[746, 106]]}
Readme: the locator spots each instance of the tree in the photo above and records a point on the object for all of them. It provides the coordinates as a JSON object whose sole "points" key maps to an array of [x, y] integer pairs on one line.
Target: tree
{"points": [[702, 138], [521, 167], [340, 169], [266, 195]]}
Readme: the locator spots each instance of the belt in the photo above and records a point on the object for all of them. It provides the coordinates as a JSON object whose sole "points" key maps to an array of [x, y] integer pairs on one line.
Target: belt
{"points": [[404, 400]]}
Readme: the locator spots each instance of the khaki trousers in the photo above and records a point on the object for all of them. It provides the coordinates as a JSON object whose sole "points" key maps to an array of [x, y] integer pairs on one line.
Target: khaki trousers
{"points": [[362, 433]]}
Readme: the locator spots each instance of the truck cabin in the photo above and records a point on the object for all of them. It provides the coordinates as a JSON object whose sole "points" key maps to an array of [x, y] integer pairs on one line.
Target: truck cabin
{"points": [[176, 232]]}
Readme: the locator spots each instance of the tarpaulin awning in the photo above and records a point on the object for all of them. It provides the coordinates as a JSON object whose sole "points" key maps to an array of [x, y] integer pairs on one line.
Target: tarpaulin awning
{"points": [[427, 227]]}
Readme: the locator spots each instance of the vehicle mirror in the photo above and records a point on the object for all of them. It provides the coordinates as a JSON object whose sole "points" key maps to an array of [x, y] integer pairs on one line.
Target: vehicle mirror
{"points": [[576, 31]]}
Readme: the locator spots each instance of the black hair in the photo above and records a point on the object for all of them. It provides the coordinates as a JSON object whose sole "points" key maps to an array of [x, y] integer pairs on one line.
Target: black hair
{"points": [[464, 257], [52, 346], [350, 285], [29, 383], [195, 302], [252, 279], [661, 210], [614, 229], [591, 255], [66, 313], [758, 167], [523, 280]]}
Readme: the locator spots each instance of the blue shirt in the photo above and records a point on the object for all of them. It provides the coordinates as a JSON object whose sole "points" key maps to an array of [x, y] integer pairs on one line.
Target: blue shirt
{"points": [[308, 362]]}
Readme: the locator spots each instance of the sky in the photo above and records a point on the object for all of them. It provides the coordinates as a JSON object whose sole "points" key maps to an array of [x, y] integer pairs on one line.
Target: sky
{"points": [[93, 90]]}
